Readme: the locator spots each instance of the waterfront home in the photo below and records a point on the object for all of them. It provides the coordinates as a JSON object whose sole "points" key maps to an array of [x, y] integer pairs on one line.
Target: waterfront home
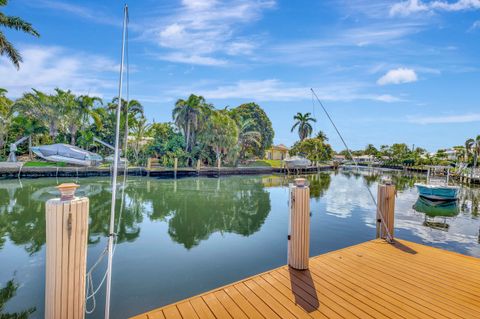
{"points": [[339, 158], [277, 152]]}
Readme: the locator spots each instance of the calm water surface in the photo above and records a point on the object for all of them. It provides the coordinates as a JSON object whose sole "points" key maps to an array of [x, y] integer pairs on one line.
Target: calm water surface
{"points": [[181, 237]]}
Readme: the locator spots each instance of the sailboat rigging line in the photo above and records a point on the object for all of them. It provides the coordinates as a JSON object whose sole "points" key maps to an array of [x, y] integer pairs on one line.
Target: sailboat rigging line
{"points": [[389, 236], [91, 292], [125, 169], [313, 113], [112, 235]]}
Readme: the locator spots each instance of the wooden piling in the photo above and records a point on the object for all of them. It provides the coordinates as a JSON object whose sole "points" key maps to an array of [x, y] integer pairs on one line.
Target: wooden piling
{"points": [[149, 166], [175, 167], [199, 163], [299, 227], [66, 254], [385, 210]]}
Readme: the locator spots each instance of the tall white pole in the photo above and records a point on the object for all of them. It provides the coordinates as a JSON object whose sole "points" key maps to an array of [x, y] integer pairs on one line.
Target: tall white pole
{"points": [[115, 172]]}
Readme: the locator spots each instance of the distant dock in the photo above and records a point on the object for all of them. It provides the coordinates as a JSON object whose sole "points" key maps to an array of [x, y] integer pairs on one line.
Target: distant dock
{"points": [[374, 279]]}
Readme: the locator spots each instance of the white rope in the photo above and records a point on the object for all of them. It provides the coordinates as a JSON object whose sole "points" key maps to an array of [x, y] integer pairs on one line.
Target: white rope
{"points": [[382, 220]]}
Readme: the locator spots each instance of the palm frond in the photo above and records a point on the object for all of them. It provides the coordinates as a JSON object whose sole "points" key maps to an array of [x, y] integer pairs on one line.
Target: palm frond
{"points": [[18, 24], [7, 48]]}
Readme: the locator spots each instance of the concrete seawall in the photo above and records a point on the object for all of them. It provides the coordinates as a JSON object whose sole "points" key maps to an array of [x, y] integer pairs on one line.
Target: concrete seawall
{"points": [[16, 171]]}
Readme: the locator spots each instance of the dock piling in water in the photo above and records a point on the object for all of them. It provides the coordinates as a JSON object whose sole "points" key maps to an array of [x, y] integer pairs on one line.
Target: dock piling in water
{"points": [[385, 210], [299, 227], [66, 254]]}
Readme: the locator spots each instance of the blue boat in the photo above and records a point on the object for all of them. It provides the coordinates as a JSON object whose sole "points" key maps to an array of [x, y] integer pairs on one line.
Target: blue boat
{"points": [[438, 192]]}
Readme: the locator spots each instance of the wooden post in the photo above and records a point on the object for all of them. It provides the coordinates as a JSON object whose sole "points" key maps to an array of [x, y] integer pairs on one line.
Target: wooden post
{"points": [[199, 163], [175, 167], [66, 254], [219, 163], [149, 165], [299, 227], [385, 207]]}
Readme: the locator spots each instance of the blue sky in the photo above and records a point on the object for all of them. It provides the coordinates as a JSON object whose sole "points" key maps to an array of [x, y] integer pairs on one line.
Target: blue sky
{"points": [[388, 71]]}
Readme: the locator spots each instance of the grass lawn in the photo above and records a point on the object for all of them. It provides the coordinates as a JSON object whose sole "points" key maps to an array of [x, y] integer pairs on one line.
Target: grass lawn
{"points": [[265, 163], [44, 164]]}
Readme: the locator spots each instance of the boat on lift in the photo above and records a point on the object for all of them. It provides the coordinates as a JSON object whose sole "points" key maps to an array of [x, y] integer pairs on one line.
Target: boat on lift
{"points": [[297, 162], [68, 154], [437, 190]]}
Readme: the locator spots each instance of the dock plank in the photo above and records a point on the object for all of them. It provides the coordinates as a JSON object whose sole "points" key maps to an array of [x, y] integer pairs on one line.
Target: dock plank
{"points": [[369, 280]]}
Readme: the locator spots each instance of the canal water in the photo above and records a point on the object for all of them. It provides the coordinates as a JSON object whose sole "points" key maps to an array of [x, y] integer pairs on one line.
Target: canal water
{"points": [[178, 238]]}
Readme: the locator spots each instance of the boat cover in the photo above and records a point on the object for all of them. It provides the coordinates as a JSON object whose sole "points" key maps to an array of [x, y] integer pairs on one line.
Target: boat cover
{"points": [[66, 151]]}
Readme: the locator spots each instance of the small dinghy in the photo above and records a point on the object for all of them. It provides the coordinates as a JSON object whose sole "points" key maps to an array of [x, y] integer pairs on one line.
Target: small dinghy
{"points": [[437, 192], [297, 162], [68, 154]]}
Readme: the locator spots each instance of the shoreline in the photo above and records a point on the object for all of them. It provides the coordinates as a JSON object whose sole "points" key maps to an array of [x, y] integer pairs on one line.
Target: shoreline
{"points": [[18, 171]]}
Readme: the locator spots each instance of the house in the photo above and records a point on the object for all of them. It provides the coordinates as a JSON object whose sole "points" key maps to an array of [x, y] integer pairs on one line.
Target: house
{"points": [[339, 158], [451, 154], [277, 152]]}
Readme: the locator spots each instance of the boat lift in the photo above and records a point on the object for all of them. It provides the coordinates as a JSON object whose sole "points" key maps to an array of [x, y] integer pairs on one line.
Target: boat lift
{"points": [[12, 157], [103, 143], [120, 160]]}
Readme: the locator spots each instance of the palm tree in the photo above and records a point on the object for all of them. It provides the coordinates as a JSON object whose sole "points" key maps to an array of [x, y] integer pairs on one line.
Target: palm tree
{"points": [[220, 133], [42, 107], [468, 148], [322, 136], [303, 123], [129, 111], [140, 129], [15, 23], [188, 115], [247, 136], [473, 146], [79, 113], [27, 126], [6, 112]]}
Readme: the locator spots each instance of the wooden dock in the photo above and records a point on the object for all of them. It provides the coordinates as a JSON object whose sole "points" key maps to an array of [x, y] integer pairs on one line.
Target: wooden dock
{"points": [[370, 280]]}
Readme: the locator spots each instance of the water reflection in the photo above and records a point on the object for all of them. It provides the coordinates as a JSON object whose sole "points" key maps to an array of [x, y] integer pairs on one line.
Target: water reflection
{"points": [[432, 209], [436, 213], [196, 212], [8, 292], [196, 208]]}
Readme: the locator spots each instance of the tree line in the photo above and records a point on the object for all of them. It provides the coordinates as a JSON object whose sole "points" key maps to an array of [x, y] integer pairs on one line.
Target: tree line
{"points": [[401, 154], [198, 131]]}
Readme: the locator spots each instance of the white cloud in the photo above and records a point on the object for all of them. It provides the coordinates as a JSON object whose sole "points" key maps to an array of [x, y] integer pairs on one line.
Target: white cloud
{"points": [[179, 57], [96, 15], [398, 76], [276, 90], [47, 67], [409, 7], [462, 118], [475, 25], [203, 29]]}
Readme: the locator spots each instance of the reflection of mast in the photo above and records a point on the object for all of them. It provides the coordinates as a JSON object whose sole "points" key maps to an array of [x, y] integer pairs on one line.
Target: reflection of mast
{"points": [[11, 188]]}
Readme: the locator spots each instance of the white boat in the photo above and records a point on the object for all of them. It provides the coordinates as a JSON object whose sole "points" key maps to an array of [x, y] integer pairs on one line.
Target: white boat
{"points": [[297, 162], [68, 154]]}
